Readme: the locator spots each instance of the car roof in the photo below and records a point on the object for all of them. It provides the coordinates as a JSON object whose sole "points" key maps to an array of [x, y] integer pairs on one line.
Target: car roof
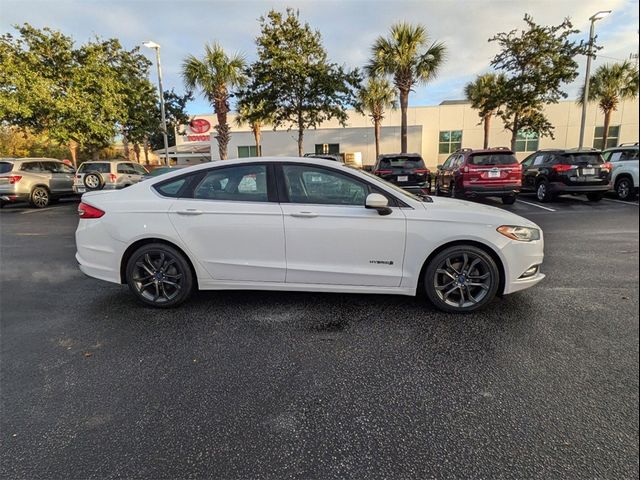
{"points": [[486, 150], [622, 147], [33, 159], [112, 160], [391, 155]]}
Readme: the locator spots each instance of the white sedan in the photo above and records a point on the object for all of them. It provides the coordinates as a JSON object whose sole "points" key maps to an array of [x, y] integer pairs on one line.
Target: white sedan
{"points": [[301, 224]]}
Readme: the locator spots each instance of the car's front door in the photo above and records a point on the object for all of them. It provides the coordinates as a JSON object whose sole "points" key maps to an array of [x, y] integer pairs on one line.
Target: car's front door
{"points": [[447, 173], [331, 238], [232, 224]]}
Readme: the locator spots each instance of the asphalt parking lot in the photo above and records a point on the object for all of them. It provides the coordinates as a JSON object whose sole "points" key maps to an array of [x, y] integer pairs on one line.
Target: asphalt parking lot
{"points": [[235, 385]]}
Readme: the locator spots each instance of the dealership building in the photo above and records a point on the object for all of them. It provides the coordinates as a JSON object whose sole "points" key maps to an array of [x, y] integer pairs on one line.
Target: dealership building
{"points": [[433, 131]]}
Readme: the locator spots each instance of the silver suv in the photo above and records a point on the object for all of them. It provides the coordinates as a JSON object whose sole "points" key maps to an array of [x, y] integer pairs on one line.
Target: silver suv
{"points": [[624, 178], [107, 175], [39, 181]]}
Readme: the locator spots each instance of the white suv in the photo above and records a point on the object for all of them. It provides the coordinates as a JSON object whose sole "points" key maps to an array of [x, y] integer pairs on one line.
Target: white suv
{"points": [[107, 175], [624, 177]]}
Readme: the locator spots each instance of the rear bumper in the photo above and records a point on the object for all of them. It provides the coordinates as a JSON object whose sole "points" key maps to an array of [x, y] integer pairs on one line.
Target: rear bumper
{"points": [[80, 189], [491, 190], [7, 196], [559, 187]]}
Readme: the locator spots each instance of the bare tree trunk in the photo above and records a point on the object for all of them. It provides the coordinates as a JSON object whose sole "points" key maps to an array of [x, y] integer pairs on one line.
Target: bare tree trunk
{"points": [[145, 145], [136, 151], [404, 105], [376, 134], [256, 134], [125, 146], [221, 107], [487, 126], [514, 132], [73, 150], [605, 134], [300, 135]]}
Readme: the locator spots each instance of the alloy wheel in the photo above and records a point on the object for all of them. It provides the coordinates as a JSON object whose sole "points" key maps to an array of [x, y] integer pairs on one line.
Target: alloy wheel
{"points": [[92, 181], [541, 192], [40, 197], [462, 279], [157, 277], [623, 189]]}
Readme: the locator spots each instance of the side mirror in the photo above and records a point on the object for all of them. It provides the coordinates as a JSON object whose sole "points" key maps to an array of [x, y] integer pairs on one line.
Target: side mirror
{"points": [[378, 202], [439, 167]]}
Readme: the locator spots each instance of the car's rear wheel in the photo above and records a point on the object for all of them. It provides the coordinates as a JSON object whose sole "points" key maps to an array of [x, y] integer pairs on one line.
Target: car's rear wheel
{"points": [[595, 196], [93, 181], [543, 191], [624, 188], [159, 275], [509, 199], [453, 191], [460, 279], [40, 197]]}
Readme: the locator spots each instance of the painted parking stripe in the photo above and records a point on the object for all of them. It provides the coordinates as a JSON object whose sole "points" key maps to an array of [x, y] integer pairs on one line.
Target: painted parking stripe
{"points": [[536, 205], [621, 201]]}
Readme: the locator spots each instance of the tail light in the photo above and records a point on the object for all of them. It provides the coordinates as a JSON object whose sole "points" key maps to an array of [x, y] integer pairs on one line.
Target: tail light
{"points": [[422, 171], [87, 211], [13, 179], [606, 167], [563, 167], [383, 172], [113, 177]]}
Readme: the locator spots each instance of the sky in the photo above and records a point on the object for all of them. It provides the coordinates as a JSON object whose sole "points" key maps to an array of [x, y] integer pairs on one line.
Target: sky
{"points": [[348, 29]]}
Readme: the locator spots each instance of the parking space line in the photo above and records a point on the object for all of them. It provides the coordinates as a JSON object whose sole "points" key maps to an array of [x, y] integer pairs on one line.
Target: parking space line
{"points": [[620, 201], [536, 205]]}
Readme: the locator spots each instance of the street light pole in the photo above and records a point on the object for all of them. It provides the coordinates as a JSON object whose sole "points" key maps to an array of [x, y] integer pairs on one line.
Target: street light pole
{"points": [[585, 96], [156, 47]]}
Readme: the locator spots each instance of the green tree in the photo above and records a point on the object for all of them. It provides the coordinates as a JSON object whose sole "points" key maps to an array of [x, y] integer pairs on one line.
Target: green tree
{"points": [[254, 116], [298, 86], [216, 75], [175, 106], [537, 61], [407, 56], [485, 95], [610, 85], [373, 99]]}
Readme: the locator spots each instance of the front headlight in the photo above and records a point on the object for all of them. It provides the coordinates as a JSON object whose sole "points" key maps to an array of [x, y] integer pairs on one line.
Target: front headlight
{"points": [[522, 234]]}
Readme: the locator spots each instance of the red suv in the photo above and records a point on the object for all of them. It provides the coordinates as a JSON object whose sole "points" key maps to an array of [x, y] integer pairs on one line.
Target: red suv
{"points": [[494, 172]]}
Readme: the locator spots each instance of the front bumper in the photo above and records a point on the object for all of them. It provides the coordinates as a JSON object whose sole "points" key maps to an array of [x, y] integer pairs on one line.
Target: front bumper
{"points": [[518, 258]]}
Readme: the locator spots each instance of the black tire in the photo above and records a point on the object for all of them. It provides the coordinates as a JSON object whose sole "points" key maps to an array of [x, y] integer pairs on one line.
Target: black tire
{"points": [[40, 197], [159, 276], [453, 191], [543, 191], [93, 181], [509, 199], [624, 189], [446, 279], [437, 191], [595, 196]]}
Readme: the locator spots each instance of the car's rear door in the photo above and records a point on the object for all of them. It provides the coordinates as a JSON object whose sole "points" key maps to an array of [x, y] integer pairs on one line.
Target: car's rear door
{"points": [[331, 238], [232, 223]]}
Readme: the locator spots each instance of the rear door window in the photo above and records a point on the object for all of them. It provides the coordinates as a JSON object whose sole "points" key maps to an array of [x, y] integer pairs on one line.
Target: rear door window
{"points": [[126, 168], [35, 167], [492, 159], [6, 167], [246, 183]]}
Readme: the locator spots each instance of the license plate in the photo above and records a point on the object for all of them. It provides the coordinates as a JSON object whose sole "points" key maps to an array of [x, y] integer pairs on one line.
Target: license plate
{"points": [[80, 189], [403, 178], [494, 173], [588, 171]]}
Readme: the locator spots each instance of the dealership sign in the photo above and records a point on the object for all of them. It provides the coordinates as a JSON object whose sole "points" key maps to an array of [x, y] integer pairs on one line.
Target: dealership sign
{"points": [[198, 130]]}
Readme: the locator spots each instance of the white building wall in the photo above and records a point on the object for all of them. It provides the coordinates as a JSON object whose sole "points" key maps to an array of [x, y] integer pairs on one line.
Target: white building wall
{"points": [[425, 125]]}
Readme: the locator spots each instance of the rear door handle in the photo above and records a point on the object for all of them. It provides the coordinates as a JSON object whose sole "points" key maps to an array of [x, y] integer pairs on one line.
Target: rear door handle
{"points": [[189, 211], [304, 214]]}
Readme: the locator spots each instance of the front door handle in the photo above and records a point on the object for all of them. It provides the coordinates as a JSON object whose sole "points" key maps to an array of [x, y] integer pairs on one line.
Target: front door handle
{"points": [[189, 211], [304, 214]]}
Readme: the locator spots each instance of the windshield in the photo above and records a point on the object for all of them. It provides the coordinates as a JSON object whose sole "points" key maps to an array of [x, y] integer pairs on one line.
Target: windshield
{"points": [[390, 185], [581, 158], [401, 162], [6, 167], [492, 159]]}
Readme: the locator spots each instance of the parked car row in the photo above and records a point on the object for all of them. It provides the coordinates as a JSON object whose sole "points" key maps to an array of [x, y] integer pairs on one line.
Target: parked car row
{"points": [[496, 172], [42, 181]]}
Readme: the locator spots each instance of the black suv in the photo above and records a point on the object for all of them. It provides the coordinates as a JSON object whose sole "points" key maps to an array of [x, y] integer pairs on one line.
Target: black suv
{"points": [[549, 173], [407, 170]]}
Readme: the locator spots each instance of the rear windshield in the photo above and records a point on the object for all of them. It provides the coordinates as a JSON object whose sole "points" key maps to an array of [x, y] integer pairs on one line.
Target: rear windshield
{"points": [[95, 167], [6, 167], [401, 162], [581, 158], [492, 159]]}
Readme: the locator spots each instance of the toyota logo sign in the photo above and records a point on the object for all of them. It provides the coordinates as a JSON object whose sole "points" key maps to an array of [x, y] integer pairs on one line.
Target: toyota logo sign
{"points": [[199, 125]]}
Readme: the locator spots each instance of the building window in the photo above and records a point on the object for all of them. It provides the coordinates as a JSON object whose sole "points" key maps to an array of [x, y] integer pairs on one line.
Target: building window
{"points": [[324, 148], [245, 151], [450, 141], [527, 141], [612, 138]]}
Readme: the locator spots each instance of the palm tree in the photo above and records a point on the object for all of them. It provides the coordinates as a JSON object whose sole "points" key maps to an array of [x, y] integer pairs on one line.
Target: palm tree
{"points": [[609, 85], [405, 56], [376, 96], [216, 75], [484, 93], [254, 116]]}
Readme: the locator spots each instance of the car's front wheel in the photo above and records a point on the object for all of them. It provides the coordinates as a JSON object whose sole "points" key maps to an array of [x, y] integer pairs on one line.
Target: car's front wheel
{"points": [[595, 196], [159, 275], [461, 279]]}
